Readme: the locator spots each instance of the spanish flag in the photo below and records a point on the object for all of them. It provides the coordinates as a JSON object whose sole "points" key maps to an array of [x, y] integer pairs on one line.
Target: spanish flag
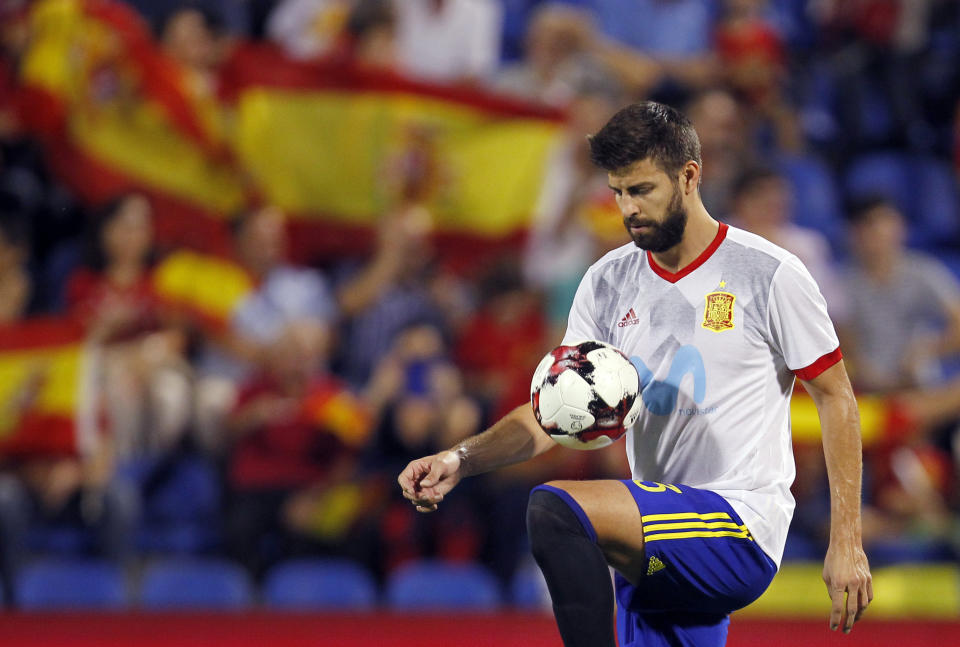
{"points": [[121, 116], [336, 146], [44, 397], [336, 141], [205, 287]]}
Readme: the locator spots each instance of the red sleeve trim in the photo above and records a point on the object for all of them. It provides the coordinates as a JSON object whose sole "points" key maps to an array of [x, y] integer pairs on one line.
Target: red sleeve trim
{"points": [[819, 366]]}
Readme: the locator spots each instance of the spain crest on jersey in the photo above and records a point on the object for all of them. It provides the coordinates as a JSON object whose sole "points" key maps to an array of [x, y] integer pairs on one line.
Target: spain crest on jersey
{"points": [[718, 313]]}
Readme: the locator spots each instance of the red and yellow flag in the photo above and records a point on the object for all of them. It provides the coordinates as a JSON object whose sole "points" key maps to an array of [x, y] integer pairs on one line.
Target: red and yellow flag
{"points": [[43, 382], [204, 286], [335, 146], [125, 116]]}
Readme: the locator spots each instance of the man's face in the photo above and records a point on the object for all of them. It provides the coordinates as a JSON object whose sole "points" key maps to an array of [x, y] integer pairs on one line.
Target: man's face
{"points": [[651, 204], [766, 204], [879, 236], [263, 242]]}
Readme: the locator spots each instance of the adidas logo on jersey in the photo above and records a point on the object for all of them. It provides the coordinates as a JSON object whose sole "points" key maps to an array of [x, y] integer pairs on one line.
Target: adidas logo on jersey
{"points": [[630, 319], [655, 566]]}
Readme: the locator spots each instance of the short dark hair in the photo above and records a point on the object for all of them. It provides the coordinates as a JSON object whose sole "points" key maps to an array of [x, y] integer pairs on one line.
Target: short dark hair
{"points": [[367, 15], [15, 229], [237, 223], [860, 207], [212, 19], [646, 130], [751, 178], [95, 257]]}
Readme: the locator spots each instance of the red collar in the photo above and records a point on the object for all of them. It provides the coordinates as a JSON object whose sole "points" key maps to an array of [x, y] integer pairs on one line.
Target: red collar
{"points": [[673, 277]]}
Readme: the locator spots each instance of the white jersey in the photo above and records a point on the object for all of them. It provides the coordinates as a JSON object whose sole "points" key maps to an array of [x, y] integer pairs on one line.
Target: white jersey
{"points": [[717, 346]]}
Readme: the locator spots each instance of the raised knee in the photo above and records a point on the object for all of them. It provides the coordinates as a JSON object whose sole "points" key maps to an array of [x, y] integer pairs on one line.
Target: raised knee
{"points": [[552, 516]]}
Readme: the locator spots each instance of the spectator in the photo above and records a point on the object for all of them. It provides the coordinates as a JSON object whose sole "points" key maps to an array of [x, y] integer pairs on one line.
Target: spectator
{"points": [[57, 461], [421, 396], [15, 282], [78, 491], [903, 320], [189, 36], [282, 294], [919, 300], [145, 382], [392, 292], [674, 33], [558, 57], [449, 40], [874, 48], [372, 32], [361, 31], [14, 34], [295, 434], [193, 37], [575, 215], [504, 340], [750, 50], [761, 205], [727, 147], [752, 56], [308, 28], [231, 17]]}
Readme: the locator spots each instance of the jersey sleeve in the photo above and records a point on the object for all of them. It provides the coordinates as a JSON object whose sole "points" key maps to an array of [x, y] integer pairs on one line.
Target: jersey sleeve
{"points": [[582, 324], [799, 326]]}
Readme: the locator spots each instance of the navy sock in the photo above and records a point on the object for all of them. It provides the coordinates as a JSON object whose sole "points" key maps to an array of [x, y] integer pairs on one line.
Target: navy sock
{"points": [[574, 567]]}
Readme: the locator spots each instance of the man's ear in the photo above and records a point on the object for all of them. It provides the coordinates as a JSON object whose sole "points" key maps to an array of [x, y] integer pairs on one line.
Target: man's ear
{"points": [[690, 176]]}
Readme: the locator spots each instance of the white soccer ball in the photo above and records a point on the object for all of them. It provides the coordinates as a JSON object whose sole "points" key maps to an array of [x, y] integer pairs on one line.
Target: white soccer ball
{"points": [[585, 396]]}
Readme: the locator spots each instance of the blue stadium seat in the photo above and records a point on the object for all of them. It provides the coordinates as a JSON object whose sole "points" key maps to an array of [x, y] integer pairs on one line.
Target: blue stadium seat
{"points": [[66, 540], [936, 198], [888, 552], [528, 590], [319, 584], [435, 585], [180, 513], [71, 584], [208, 584]]}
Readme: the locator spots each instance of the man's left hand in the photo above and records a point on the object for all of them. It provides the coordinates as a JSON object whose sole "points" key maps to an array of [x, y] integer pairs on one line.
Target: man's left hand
{"points": [[847, 576]]}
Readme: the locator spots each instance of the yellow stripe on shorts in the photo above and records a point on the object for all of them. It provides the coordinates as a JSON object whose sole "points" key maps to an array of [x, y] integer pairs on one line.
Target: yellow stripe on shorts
{"points": [[743, 534], [692, 524], [684, 515]]}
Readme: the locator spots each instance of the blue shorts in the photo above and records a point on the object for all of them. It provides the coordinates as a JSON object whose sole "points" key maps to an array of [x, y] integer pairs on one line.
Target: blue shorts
{"points": [[702, 564]]}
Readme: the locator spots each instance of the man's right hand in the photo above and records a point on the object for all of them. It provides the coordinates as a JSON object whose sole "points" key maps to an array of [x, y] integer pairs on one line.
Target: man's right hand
{"points": [[427, 480]]}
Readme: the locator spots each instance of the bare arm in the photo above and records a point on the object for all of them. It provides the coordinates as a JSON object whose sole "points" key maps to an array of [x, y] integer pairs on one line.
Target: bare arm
{"points": [[514, 438], [950, 341], [371, 282], [845, 571]]}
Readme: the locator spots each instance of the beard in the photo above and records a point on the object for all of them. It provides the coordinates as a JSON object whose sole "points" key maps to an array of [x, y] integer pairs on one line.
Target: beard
{"points": [[662, 235]]}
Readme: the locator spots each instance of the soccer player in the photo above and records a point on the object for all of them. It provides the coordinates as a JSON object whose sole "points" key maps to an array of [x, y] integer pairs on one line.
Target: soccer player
{"points": [[724, 322]]}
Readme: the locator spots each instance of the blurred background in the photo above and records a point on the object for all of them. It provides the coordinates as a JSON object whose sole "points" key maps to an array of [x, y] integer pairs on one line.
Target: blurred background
{"points": [[256, 255]]}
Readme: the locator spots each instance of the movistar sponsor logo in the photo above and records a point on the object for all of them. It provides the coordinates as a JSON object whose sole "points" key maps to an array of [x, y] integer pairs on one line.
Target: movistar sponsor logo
{"points": [[660, 396]]}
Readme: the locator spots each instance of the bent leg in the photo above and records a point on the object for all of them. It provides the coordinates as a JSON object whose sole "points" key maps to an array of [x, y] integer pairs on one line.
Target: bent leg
{"points": [[564, 544], [613, 513], [694, 560]]}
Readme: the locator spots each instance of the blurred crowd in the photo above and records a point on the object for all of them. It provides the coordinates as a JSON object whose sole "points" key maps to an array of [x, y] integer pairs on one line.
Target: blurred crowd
{"points": [[830, 127]]}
